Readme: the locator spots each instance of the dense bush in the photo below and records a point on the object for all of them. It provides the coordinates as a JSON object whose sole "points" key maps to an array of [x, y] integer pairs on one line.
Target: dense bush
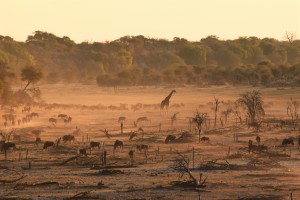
{"points": [[138, 60]]}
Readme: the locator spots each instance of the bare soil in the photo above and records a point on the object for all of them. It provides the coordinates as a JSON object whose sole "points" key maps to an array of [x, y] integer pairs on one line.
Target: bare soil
{"points": [[232, 172]]}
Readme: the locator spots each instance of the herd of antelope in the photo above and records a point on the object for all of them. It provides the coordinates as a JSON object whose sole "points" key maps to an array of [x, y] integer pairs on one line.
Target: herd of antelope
{"points": [[10, 118]]}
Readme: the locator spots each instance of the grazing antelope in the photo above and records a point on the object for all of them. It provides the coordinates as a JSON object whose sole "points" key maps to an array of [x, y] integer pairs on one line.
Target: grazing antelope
{"points": [[26, 109], [255, 125], [170, 138], [132, 135], [68, 138], [8, 145], [37, 141], [95, 144], [141, 147], [259, 148], [258, 140], [119, 144], [142, 119], [34, 114], [62, 115], [131, 154], [77, 131], [68, 120], [184, 134], [205, 139], [83, 152], [287, 141], [52, 120], [48, 144]]}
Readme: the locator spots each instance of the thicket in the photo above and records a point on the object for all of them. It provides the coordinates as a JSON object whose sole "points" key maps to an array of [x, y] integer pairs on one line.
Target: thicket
{"points": [[138, 60]]}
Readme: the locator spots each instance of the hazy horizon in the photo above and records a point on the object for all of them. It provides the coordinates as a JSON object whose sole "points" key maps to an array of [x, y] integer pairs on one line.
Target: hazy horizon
{"points": [[108, 20]]}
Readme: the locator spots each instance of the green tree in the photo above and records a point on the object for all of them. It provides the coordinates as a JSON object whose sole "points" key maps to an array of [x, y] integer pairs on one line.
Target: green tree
{"points": [[31, 75], [193, 55]]}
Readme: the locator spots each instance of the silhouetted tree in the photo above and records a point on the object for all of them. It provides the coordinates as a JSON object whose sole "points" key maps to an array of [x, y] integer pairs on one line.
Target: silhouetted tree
{"points": [[31, 75], [254, 104]]}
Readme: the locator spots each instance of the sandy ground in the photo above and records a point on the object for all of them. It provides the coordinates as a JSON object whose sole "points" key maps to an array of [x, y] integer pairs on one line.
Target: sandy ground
{"points": [[94, 109]]}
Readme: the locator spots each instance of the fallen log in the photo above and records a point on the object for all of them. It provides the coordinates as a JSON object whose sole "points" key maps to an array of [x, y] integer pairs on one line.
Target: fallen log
{"points": [[70, 159], [13, 180]]}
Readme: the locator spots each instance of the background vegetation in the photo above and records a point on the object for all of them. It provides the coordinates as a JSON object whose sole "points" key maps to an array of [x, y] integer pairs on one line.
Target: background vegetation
{"points": [[138, 60]]}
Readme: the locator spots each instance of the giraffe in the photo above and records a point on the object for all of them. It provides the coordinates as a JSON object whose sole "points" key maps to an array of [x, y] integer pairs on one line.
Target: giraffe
{"points": [[165, 103]]}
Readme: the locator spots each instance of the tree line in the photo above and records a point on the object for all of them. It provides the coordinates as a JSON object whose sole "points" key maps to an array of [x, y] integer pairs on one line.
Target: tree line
{"points": [[139, 60]]}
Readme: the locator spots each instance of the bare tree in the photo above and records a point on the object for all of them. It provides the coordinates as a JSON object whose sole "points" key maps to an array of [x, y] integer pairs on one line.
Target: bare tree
{"points": [[105, 131], [254, 105], [292, 110], [173, 118], [216, 107], [198, 119], [290, 37], [237, 112], [181, 164], [226, 114], [5, 141]]}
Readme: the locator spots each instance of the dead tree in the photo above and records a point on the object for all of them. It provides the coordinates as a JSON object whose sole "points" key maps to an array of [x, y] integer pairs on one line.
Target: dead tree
{"points": [[181, 164], [226, 114], [292, 111], [173, 118], [122, 126], [131, 155], [254, 104], [290, 37], [105, 131], [198, 119], [5, 140], [216, 107]]}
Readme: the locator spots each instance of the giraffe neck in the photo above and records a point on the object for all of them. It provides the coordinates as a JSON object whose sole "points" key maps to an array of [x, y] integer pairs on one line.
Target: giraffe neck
{"points": [[169, 96]]}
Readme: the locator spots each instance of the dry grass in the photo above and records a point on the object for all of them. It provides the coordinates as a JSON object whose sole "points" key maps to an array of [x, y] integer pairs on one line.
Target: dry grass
{"points": [[150, 175]]}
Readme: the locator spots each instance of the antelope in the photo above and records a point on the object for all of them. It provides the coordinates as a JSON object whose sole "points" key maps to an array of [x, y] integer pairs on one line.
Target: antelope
{"points": [[287, 141], [131, 154], [68, 138], [142, 119], [7, 145], [95, 144], [141, 147], [62, 115], [258, 140], [132, 135], [37, 141], [34, 114], [52, 120], [68, 120], [204, 139], [48, 144], [83, 152], [119, 144], [252, 147], [170, 138]]}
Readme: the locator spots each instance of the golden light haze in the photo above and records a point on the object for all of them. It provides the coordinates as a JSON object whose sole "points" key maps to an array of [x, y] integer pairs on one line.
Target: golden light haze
{"points": [[100, 20]]}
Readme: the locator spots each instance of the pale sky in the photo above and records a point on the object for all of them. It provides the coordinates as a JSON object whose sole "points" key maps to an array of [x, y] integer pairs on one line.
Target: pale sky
{"points": [[101, 20]]}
